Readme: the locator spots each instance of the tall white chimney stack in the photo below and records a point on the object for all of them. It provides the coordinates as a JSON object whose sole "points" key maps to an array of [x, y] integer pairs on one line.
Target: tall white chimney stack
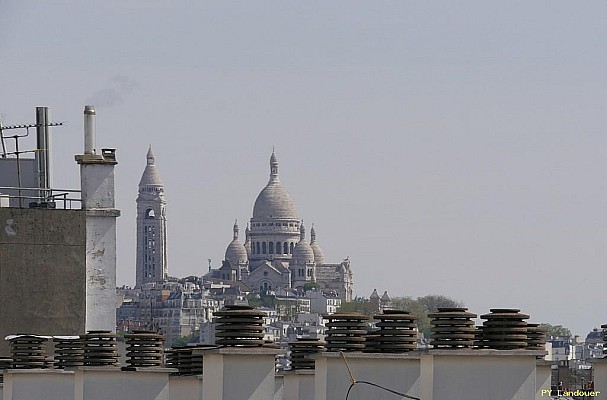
{"points": [[97, 190], [89, 130]]}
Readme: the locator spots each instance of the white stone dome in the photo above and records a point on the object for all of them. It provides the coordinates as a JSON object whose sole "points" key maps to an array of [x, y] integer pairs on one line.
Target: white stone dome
{"points": [[274, 201], [303, 253], [236, 252]]}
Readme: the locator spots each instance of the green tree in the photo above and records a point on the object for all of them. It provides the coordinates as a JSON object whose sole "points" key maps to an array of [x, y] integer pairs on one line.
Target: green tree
{"points": [[422, 306], [433, 302], [184, 340], [556, 330], [362, 306], [254, 300]]}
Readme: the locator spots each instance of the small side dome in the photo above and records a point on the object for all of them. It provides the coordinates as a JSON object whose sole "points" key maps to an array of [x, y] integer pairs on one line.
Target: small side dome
{"points": [[236, 253], [303, 253]]}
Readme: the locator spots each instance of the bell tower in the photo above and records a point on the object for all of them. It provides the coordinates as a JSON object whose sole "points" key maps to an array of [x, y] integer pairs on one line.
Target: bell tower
{"points": [[151, 226]]}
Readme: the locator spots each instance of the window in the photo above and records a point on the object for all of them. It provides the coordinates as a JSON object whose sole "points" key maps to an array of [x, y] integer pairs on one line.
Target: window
{"points": [[285, 248], [291, 250], [263, 248], [271, 247], [278, 248], [257, 248]]}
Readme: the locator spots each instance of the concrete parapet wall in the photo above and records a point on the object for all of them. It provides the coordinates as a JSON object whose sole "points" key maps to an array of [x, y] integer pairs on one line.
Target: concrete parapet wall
{"points": [[239, 373], [399, 372], [42, 272], [543, 375], [479, 374], [86, 383], [185, 387], [600, 378], [299, 385]]}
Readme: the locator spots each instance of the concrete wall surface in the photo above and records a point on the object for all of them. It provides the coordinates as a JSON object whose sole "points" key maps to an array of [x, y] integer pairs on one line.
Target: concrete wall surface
{"points": [[39, 384], [42, 272], [480, 375], [279, 386], [600, 378], [399, 372], [543, 376], [239, 373], [248, 374], [86, 383], [185, 387], [299, 385]]}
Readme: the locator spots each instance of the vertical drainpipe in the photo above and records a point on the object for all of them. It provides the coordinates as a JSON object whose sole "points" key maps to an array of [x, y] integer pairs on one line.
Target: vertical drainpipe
{"points": [[97, 186]]}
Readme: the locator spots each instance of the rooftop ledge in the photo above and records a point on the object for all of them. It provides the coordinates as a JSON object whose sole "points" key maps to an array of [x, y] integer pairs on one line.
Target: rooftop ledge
{"points": [[415, 354], [254, 351]]}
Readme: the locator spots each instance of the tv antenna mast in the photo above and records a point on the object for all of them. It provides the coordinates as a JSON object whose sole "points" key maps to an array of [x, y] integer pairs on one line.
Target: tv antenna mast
{"points": [[42, 150]]}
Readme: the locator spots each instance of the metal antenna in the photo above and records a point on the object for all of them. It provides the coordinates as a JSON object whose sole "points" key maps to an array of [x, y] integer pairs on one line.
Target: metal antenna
{"points": [[18, 152]]}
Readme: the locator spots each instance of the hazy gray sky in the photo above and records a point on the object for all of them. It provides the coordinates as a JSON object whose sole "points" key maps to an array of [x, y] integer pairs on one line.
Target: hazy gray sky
{"points": [[448, 147]]}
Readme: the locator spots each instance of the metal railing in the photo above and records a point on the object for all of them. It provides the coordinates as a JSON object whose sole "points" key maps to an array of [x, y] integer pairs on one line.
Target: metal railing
{"points": [[23, 197]]}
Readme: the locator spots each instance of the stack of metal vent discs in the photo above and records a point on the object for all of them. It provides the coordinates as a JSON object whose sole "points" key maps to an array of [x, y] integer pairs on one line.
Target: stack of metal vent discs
{"points": [[180, 358], [479, 339], [301, 351], [452, 328], [69, 351], [100, 349], [346, 331], [28, 352], [536, 337], [505, 329], [240, 326], [144, 349], [397, 333]]}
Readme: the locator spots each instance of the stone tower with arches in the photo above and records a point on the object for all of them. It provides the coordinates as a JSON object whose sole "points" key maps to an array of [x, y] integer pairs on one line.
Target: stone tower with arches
{"points": [[151, 226]]}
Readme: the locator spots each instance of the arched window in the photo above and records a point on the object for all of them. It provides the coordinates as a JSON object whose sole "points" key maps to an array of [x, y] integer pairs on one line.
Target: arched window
{"points": [[263, 248], [257, 247], [149, 214], [278, 248], [285, 248], [291, 250], [253, 248], [271, 248]]}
